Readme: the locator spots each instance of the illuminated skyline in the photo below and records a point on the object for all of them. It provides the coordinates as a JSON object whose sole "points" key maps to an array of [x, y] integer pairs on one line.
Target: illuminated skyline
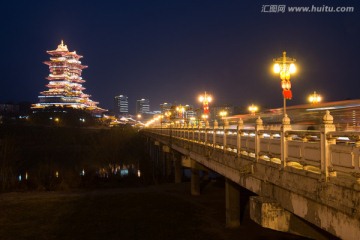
{"points": [[174, 51]]}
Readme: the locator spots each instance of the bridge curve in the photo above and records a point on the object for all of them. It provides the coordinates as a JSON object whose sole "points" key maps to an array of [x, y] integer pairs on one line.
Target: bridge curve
{"points": [[313, 174]]}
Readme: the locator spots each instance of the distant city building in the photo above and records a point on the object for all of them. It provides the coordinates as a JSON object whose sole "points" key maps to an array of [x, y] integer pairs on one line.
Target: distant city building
{"points": [[153, 113], [177, 111], [215, 111], [190, 113], [11, 112], [142, 106], [65, 82], [9, 108], [121, 105], [164, 107]]}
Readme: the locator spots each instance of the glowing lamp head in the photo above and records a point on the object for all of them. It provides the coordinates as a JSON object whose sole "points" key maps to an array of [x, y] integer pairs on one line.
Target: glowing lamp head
{"points": [[253, 108], [204, 116], [287, 76], [209, 99], [315, 98], [223, 113], [286, 84], [292, 68], [201, 98], [277, 68]]}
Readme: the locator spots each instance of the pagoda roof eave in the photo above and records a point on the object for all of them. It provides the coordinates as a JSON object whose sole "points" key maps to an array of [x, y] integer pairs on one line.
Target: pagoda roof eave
{"points": [[52, 52], [75, 54], [63, 53], [81, 66]]}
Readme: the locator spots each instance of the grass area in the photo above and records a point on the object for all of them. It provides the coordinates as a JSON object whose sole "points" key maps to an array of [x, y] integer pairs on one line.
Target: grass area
{"points": [[155, 212]]}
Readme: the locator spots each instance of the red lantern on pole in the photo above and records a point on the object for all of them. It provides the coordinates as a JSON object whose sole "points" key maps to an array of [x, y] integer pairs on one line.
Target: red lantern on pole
{"points": [[206, 108], [286, 86], [284, 66], [287, 94]]}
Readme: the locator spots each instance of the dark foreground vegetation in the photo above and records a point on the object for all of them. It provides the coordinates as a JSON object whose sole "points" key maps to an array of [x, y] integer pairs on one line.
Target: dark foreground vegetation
{"points": [[160, 212], [51, 158]]}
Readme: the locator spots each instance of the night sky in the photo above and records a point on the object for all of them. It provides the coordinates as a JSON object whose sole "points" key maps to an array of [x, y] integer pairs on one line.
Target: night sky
{"points": [[173, 50]]}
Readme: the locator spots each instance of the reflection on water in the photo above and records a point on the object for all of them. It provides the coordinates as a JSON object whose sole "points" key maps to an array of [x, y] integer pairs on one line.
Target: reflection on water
{"points": [[118, 170]]}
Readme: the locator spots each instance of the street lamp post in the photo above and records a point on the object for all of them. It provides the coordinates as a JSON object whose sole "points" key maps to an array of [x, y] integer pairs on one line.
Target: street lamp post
{"points": [[138, 117], [167, 115], [285, 66], [161, 122], [223, 114], [205, 99], [204, 118], [253, 109], [315, 98], [181, 110], [192, 121]]}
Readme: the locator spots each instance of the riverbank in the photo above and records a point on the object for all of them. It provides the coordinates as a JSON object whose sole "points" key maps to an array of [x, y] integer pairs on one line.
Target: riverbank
{"points": [[166, 211]]}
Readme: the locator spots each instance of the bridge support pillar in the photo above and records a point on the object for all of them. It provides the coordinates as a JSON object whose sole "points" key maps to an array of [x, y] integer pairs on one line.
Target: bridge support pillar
{"points": [[195, 178], [155, 158], [178, 170], [232, 204], [167, 161], [205, 176], [269, 214]]}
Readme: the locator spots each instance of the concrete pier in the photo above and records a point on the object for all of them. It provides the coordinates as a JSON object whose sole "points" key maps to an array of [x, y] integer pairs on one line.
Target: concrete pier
{"points": [[232, 204]]}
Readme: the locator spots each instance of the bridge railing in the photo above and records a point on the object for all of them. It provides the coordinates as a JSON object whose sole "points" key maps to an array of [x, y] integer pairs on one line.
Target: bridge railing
{"points": [[345, 154], [304, 150], [210, 137], [270, 146], [231, 141], [219, 138], [202, 136], [247, 143], [196, 135], [326, 152]]}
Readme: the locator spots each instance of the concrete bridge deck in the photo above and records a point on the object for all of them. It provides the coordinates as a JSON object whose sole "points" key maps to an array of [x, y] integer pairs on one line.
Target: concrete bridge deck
{"points": [[312, 175]]}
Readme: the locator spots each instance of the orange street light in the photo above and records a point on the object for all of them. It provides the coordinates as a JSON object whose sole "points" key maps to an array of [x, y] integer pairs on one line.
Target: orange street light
{"points": [[205, 100], [284, 66], [223, 113], [315, 98], [253, 109]]}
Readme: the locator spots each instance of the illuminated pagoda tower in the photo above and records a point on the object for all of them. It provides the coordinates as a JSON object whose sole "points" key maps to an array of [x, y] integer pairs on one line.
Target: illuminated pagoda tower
{"points": [[65, 82]]}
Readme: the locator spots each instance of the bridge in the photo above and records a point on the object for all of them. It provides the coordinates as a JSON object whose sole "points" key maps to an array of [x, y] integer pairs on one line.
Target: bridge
{"points": [[298, 176]]}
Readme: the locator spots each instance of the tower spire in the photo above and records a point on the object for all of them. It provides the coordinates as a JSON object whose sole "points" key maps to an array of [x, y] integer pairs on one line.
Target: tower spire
{"points": [[62, 46]]}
